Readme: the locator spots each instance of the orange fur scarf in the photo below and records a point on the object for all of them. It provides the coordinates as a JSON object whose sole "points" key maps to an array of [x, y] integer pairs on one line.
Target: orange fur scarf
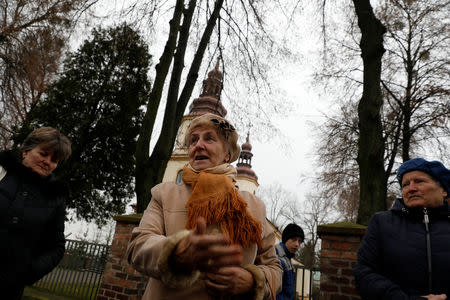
{"points": [[215, 198]]}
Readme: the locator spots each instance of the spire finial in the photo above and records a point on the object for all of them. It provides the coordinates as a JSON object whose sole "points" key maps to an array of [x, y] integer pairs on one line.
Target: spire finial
{"points": [[217, 63]]}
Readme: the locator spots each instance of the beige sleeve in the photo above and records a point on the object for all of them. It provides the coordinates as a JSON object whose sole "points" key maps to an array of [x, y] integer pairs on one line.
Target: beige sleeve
{"points": [[149, 248], [266, 259], [268, 262]]}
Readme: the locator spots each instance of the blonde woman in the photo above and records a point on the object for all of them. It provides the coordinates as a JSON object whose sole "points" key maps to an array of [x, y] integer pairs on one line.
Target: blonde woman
{"points": [[202, 238]]}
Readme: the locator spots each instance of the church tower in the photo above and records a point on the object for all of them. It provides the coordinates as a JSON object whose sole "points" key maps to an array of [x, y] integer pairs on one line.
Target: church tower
{"points": [[246, 177], [209, 102]]}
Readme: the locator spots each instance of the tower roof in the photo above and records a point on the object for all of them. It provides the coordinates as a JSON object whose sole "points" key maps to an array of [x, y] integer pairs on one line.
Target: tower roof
{"points": [[247, 146], [244, 166], [209, 100]]}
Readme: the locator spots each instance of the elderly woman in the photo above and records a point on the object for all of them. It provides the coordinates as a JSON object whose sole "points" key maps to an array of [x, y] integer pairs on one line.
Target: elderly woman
{"points": [[405, 252], [202, 238], [32, 210]]}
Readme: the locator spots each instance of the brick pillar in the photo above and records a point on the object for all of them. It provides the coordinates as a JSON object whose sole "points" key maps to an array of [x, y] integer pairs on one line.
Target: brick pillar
{"points": [[340, 243], [120, 280]]}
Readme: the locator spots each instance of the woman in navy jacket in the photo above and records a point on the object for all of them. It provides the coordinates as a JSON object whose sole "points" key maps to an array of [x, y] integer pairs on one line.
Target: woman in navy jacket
{"points": [[32, 211], [405, 252]]}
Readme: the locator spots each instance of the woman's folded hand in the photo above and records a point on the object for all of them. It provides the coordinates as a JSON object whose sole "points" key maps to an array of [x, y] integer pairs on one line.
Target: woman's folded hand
{"points": [[204, 252], [229, 281]]}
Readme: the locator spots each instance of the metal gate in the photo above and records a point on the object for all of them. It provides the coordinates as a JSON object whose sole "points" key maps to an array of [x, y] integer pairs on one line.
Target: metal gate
{"points": [[80, 271], [307, 283]]}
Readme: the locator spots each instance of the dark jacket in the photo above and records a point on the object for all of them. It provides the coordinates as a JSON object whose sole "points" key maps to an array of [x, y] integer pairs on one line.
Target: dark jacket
{"points": [[32, 214], [394, 254], [288, 290]]}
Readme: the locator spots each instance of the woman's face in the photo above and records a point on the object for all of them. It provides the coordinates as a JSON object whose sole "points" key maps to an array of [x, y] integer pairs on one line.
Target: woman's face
{"points": [[39, 160], [206, 149], [421, 190]]}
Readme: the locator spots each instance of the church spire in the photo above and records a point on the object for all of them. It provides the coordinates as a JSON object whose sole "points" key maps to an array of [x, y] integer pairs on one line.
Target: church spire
{"points": [[244, 165], [209, 100]]}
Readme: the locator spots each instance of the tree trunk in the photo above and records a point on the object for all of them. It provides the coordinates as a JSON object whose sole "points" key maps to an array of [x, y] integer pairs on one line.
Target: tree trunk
{"points": [[150, 170], [144, 172], [373, 188]]}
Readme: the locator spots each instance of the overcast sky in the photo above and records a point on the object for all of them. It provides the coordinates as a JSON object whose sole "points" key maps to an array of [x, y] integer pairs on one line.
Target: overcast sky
{"points": [[272, 160]]}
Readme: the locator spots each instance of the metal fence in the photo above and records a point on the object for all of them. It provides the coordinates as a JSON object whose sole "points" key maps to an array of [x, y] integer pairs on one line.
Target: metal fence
{"points": [[307, 283], [80, 271]]}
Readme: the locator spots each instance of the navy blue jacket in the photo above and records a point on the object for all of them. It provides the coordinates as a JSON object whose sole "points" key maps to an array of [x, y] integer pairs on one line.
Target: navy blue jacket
{"points": [[32, 215], [394, 254], [288, 290]]}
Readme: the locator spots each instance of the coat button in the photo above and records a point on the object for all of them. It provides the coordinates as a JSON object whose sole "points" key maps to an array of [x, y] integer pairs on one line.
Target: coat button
{"points": [[15, 220]]}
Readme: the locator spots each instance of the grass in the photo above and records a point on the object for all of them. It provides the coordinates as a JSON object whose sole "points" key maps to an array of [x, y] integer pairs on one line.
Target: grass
{"points": [[61, 292]]}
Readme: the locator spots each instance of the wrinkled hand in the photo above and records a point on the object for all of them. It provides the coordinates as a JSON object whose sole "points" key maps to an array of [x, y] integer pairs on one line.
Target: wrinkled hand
{"points": [[229, 281], [204, 252], [436, 297]]}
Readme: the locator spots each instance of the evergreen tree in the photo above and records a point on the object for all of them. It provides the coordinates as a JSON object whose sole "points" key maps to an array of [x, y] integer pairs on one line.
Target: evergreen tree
{"points": [[98, 103]]}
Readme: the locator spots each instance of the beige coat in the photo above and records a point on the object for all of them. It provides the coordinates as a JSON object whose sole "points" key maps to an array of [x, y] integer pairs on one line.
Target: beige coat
{"points": [[163, 226]]}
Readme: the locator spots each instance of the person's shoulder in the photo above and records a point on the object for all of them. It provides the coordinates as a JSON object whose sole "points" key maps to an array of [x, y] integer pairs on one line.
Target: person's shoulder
{"points": [[381, 215], [169, 187], [9, 160], [381, 219], [253, 201], [56, 186], [250, 197], [279, 249]]}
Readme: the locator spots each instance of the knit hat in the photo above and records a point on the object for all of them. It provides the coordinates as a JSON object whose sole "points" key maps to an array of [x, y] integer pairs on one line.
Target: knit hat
{"points": [[292, 231], [222, 126], [433, 168]]}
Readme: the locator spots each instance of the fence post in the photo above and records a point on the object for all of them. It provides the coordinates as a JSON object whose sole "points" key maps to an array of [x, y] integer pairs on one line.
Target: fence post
{"points": [[120, 280], [340, 243]]}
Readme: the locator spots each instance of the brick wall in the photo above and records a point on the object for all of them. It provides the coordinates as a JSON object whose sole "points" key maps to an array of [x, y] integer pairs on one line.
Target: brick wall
{"points": [[120, 280], [340, 243]]}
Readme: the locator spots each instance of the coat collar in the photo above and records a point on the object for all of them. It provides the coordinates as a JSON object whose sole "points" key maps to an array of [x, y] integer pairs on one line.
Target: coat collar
{"points": [[286, 251], [442, 211]]}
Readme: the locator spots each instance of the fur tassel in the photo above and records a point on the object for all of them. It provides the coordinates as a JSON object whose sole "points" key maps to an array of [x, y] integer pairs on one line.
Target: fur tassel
{"points": [[169, 278], [215, 198], [260, 281]]}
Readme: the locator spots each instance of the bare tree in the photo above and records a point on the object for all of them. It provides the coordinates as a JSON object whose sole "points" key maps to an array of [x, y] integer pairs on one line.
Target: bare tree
{"points": [[150, 168], [283, 207], [281, 204], [415, 84], [197, 24], [416, 75], [33, 35], [372, 183], [316, 210], [338, 179]]}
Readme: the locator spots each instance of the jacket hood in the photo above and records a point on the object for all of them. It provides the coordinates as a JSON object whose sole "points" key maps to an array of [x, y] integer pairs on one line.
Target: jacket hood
{"points": [[10, 162]]}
